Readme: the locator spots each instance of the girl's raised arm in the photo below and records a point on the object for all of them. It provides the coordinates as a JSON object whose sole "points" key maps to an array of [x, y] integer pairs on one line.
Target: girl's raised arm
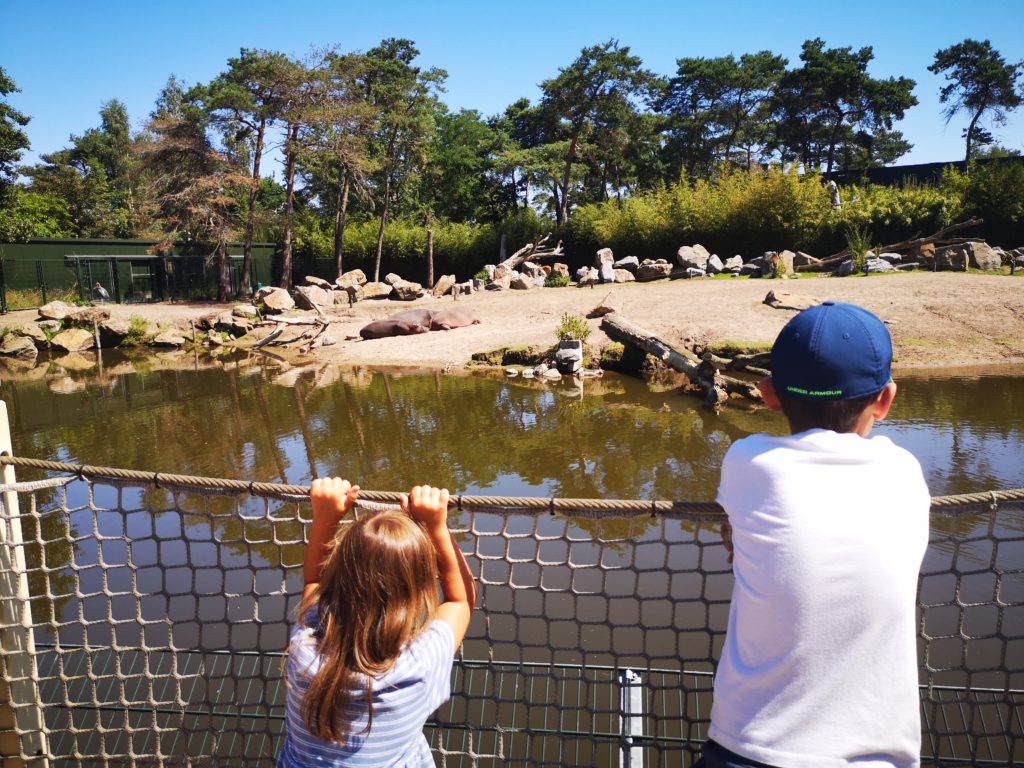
{"points": [[332, 499], [428, 506]]}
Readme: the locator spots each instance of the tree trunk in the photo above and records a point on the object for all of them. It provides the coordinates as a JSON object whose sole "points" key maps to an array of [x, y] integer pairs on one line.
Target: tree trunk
{"points": [[289, 207], [430, 258], [340, 209], [563, 206], [389, 159], [832, 147], [970, 134], [244, 288], [223, 271]]}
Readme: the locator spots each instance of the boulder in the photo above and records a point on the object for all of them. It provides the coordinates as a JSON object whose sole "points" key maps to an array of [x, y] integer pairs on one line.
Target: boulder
{"points": [[655, 270], [500, 283], [907, 266], [351, 278], [715, 265], [952, 257], [551, 374], [632, 263], [375, 291], [86, 316], [34, 332], [604, 256], [560, 270], [786, 263], [313, 297], [55, 310], [73, 340], [478, 284], [319, 282], [406, 290], [983, 256], [465, 288], [168, 339], [443, 286], [769, 264], [51, 326], [275, 300], [801, 259], [587, 276], [695, 256], [892, 258], [735, 264], [15, 345], [569, 356], [245, 311], [694, 272], [610, 303], [751, 268], [521, 283], [489, 269], [922, 253], [391, 278], [232, 324], [532, 270], [113, 332], [622, 276], [784, 300], [874, 266], [845, 269], [502, 271]]}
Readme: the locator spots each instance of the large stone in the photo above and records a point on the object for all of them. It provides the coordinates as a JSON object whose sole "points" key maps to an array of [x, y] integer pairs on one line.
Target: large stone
{"points": [[786, 263], [924, 254], [606, 272], [734, 264], [632, 263], [983, 256], [245, 311], [569, 356], [521, 283], [609, 304], [444, 285], [892, 258], [560, 270], [695, 256], [875, 266], [319, 282], [391, 278], [350, 278], [500, 283], [86, 316], [232, 324], [50, 326], [623, 276], [373, 290], [586, 276], [751, 268], [714, 265], [313, 297], [55, 310], [406, 290], [784, 300], [694, 272], [502, 271], [530, 269], [73, 340], [34, 332], [845, 269], [655, 270], [769, 264], [168, 339], [275, 300], [113, 332], [489, 270], [952, 257], [16, 345], [604, 256]]}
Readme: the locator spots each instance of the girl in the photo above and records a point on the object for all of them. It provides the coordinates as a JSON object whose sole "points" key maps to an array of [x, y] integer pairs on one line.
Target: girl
{"points": [[371, 657]]}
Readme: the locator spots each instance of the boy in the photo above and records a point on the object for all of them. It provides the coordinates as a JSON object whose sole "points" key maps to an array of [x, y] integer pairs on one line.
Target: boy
{"points": [[827, 530]]}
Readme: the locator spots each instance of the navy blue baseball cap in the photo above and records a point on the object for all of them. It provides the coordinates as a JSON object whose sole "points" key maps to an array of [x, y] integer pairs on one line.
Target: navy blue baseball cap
{"points": [[833, 351]]}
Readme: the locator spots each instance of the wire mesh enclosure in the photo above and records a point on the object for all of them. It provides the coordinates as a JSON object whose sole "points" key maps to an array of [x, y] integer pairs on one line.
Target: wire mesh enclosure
{"points": [[143, 625]]}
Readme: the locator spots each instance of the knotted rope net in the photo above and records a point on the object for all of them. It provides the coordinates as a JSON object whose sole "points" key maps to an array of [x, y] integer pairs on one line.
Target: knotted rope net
{"points": [[144, 616]]}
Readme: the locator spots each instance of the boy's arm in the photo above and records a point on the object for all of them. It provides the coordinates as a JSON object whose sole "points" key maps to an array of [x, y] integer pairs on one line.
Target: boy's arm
{"points": [[332, 499], [429, 507]]}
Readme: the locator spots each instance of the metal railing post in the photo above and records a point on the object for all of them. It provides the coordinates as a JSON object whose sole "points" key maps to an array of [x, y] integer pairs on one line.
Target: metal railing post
{"points": [[631, 718], [22, 734], [41, 279]]}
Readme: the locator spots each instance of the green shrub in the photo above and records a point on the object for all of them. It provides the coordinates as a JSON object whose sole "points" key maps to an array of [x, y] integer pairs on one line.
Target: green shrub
{"points": [[556, 281], [572, 327], [858, 240], [138, 332]]}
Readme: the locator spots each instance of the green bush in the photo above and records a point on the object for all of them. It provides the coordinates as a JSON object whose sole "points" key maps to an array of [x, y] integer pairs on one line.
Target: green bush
{"points": [[858, 240], [556, 281], [572, 327]]}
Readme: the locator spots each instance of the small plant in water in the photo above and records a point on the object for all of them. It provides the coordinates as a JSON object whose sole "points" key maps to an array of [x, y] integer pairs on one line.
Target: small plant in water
{"points": [[572, 327], [858, 241]]}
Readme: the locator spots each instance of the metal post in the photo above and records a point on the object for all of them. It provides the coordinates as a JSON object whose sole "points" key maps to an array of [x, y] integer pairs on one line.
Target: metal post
{"points": [[21, 714], [78, 277], [3, 288], [115, 281], [41, 279], [631, 717]]}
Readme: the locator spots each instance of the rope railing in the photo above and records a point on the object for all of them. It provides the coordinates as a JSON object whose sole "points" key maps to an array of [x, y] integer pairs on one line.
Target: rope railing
{"points": [[692, 510]]}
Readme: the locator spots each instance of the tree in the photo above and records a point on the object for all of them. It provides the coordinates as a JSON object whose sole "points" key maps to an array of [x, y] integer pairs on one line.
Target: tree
{"points": [[593, 92], [12, 139], [979, 80], [823, 103], [246, 101]]}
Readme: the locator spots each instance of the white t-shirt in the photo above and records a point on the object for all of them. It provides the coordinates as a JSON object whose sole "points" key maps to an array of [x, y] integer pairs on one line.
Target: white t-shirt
{"points": [[403, 699], [819, 666]]}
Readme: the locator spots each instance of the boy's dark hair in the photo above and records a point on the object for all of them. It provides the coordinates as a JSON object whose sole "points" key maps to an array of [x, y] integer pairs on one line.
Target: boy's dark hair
{"points": [[837, 415]]}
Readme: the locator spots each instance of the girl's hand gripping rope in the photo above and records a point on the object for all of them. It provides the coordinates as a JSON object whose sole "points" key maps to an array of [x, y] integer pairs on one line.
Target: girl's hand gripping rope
{"points": [[332, 499]]}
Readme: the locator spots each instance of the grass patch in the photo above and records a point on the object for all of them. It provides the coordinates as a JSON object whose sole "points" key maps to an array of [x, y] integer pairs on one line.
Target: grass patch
{"points": [[27, 298], [557, 281], [509, 356], [730, 348], [138, 332]]}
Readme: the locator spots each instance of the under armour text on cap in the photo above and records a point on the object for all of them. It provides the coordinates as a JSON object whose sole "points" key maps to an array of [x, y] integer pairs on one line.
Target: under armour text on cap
{"points": [[833, 351]]}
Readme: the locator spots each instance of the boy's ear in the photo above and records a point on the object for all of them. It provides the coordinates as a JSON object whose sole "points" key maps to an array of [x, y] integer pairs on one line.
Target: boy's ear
{"points": [[881, 406], [771, 397]]}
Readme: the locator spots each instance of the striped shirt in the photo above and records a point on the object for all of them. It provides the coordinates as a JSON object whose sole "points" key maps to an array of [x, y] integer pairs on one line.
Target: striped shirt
{"points": [[403, 699]]}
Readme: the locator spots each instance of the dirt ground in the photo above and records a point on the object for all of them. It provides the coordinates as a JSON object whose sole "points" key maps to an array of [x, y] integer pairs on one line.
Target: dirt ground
{"points": [[936, 319]]}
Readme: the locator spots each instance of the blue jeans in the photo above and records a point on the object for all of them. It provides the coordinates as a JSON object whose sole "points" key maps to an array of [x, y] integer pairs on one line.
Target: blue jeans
{"points": [[714, 755]]}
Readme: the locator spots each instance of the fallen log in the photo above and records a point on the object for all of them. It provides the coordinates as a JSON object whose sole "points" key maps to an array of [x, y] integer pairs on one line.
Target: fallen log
{"points": [[532, 251], [714, 386], [295, 320], [939, 238]]}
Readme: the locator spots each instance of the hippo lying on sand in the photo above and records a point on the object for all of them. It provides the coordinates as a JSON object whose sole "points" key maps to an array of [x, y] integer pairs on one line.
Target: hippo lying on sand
{"points": [[406, 323], [446, 319]]}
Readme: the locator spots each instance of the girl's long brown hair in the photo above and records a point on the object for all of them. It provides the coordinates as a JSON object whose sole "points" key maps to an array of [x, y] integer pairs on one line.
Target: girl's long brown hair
{"points": [[377, 591]]}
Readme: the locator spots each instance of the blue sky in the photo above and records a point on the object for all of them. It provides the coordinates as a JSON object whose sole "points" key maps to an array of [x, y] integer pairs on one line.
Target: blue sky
{"points": [[70, 57]]}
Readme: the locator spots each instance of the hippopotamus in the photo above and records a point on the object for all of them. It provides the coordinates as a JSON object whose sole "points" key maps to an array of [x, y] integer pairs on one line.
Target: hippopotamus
{"points": [[406, 323], [453, 317]]}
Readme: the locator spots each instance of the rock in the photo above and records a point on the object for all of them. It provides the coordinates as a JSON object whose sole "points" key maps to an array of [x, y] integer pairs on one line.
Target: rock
{"points": [[50, 326], [86, 316], [695, 256], [490, 269], [499, 283], [355, 277], [604, 256], [892, 258], [785, 263], [801, 259], [521, 283], [375, 291], [952, 257], [540, 370], [34, 332], [715, 265], [784, 300], [502, 271], [313, 297], [583, 272], [632, 263], [391, 278], [569, 356], [511, 372], [443, 286], [406, 290], [465, 288], [922, 253], [15, 345], [588, 276], [623, 276], [478, 284], [907, 266], [608, 305], [752, 267], [693, 272], [845, 269], [769, 264], [113, 332], [874, 266], [560, 270], [527, 373], [245, 311], [275, 300], [55, 310], [735, 264], [319, 282], [168, 339], [232, 324], [552, 374], [983, 256], [532, 270], [655, 270], [73, 340]]}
